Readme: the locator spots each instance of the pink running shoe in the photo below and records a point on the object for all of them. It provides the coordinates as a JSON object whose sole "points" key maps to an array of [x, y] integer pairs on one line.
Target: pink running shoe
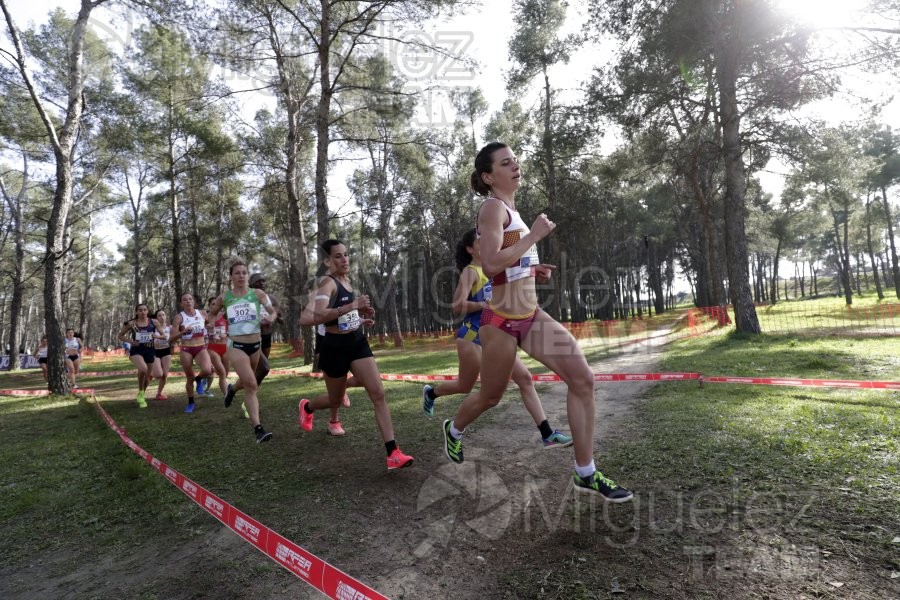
{"points": [[305, 419], [162, 397], [346, 401], [398, 460], [334, 428]]}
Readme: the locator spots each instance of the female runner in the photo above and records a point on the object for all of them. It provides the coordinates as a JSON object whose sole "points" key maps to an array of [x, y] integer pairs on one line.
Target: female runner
{"points": [[189, 326], [472, 295], [345, 348], [218, 350], [139, 332], [73, 355], [41, 354], [163, 351], [242, 307], [513, 319]]}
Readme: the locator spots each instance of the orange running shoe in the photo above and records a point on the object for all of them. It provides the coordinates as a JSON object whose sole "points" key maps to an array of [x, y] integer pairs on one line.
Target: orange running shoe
{"points": [[305, 419], [162, 397], [398, 460]]}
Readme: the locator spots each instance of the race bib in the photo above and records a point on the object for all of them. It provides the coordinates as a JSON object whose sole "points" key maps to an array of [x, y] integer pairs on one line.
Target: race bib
{"points": [[143, 337], [522, 268], [349, 321], [219, 331], [530, 258], [488, 291], [241, 313]]}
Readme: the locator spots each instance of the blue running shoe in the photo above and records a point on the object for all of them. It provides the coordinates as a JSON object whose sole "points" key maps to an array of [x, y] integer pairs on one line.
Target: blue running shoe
{"points": [[189, 408], [428, 400], [557, 439], [201, 386]]}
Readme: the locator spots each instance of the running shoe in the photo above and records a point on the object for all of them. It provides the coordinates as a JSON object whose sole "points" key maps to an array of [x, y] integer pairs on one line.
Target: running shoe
{"points": [[346, 401], [305, 419], [229, 395], [141, 402], [335, 429], [427, 401], [244, 408], [452, 447], [602, 486], [161, 397], [209, 391], [398, 460], [189, 408], [261, 434], [201, 387], [557, 439]]}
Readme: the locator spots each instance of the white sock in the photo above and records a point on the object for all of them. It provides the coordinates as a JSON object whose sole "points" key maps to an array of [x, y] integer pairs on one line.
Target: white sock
{"points": [[585, 471], [456, 433]]}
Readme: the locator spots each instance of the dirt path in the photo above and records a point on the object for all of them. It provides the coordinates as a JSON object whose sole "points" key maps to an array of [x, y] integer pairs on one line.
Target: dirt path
{"points": [[438, 530], [510, 493]]}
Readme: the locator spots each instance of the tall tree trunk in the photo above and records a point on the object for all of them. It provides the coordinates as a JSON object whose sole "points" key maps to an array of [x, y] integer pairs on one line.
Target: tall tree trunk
{"points": [[220, 253], [895, 269], [843, 252], [18, 279], [323, 134], [84, 324], [298, 269], [174, 208], [555, 241], [746, 320], [194, 236], [775, 262]]}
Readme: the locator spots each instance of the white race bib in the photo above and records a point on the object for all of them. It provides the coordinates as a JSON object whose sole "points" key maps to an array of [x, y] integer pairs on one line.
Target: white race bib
{"points": [[522, 268], [349, 321], [241, 313], [144, 337]]}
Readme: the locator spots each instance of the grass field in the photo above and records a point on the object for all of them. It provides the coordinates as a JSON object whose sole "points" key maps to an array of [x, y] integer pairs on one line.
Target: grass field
{"points": [[742, 491]]}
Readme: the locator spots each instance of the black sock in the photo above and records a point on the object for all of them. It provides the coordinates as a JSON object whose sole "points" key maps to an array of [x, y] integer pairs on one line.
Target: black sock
{"points": [[431, 394], [545, 429], [190, 399], [307, 409], [390, 446]]}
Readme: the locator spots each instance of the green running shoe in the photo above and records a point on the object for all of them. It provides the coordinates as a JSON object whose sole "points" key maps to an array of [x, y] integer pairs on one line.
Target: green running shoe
{"points": [[452, 447], [602, 486]]}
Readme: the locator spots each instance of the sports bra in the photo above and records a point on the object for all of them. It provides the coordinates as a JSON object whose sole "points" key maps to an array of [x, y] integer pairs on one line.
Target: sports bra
{"points": [[515, 230], [194, 326], [342, 297]]}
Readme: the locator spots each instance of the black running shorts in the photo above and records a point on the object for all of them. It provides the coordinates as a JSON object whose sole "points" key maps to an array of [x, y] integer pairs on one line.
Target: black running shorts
{"points": [[338, 350]]}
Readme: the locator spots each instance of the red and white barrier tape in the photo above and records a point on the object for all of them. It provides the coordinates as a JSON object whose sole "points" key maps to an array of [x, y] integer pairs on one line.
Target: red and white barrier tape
{"points": [[329, 580], [85, 391], [836, 383]]}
